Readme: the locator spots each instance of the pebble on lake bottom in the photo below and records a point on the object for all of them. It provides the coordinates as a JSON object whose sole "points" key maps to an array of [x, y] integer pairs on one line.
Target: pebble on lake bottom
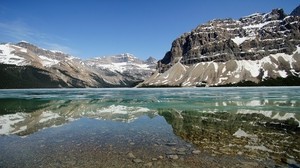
{"points": [[130, 155], [196, 152], [174, 157], [137, 161]]}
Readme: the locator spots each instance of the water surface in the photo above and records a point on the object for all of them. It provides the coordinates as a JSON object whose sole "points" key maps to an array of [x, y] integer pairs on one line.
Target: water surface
{"points": [[150, 127]]}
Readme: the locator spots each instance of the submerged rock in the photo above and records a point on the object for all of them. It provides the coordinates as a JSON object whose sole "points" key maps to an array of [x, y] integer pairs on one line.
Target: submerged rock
{"points": [[196, 152], [137, 161], [174, 157], [130, 155]]}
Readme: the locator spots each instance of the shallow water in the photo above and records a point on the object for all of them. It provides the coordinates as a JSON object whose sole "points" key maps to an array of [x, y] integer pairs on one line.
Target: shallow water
{"points": [[194, 127]]}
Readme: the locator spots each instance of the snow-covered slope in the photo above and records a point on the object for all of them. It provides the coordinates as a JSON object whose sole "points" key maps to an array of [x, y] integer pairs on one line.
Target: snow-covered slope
{"points": [[212, 73], [124, 63], [257, 49], [24, 65], [7, 55]]}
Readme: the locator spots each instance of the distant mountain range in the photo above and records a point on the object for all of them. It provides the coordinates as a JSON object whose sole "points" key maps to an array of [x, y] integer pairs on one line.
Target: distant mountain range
{"points": [[259, 49], [24, 65]]}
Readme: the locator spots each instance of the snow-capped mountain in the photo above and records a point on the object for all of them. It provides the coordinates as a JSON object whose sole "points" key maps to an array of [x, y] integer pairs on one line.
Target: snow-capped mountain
{"points": [[56, 113], [24, 53], [24, 65], [118, 63], [124, 63], [259, 49]]}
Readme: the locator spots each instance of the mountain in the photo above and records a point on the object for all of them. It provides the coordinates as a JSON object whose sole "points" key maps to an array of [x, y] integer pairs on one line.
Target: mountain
{"points": [[259, 49], [296, 11], [24, 65], [53, 113], [127, 64]]}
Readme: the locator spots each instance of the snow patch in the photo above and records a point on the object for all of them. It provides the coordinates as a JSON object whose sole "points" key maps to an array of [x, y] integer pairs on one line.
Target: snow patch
{"points": [[216, 65], [283, 73], [119, 109], [122, 66], [240, 40], [237, 76], [23, 50], [7, 123], [286, 116], [252, 67], [7, 57], [224, 69], [48, 62], [258, 26], [47, 116]]}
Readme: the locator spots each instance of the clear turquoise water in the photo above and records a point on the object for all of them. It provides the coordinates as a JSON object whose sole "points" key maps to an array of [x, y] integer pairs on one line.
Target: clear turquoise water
{"points": [[55, 127]]}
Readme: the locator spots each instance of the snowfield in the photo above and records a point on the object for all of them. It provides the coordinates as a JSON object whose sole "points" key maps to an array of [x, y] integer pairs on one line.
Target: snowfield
{"points": [[8, 57]]}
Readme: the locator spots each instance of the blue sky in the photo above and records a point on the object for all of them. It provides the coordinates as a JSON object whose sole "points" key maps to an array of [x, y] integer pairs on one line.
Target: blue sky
{"points": [[106, 27]]}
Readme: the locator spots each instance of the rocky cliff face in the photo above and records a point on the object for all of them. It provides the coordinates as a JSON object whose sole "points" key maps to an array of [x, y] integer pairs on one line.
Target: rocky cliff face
{"points": [[254, 48], [24, 65]]}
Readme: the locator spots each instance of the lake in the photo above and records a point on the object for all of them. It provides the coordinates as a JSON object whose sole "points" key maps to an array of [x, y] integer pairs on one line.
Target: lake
{"points": [[168, 127]]}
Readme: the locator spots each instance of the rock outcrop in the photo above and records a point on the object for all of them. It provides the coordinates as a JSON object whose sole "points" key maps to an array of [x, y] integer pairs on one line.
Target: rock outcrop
{"points": [[255, 48]]}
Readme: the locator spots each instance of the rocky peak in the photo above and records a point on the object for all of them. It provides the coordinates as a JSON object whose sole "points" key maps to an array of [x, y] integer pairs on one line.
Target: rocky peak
{"points": [[126, 57], [276, 14], [296, 11], [151, 60], [249, 38], [43, 52], [262, 48]]}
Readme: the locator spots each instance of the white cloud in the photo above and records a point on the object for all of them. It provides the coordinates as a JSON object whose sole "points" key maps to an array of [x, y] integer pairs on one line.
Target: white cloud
{"points": [[58, 47], [18, 31]]}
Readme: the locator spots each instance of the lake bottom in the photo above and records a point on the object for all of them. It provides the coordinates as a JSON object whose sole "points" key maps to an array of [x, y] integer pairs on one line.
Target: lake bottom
{"points": [[146, 142]]}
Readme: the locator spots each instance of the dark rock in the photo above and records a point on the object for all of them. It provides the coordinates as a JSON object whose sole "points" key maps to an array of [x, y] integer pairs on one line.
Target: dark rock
{"points": [[170, 144]]}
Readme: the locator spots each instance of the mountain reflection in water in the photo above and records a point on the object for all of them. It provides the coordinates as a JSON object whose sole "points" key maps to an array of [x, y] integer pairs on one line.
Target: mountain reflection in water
{"points": [[257, 123], [53, 113], [254, 135]]}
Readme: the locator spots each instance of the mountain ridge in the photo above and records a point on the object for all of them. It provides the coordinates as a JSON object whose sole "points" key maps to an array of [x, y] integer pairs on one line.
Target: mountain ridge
{"points": [[222, 52], [25, 65]]}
